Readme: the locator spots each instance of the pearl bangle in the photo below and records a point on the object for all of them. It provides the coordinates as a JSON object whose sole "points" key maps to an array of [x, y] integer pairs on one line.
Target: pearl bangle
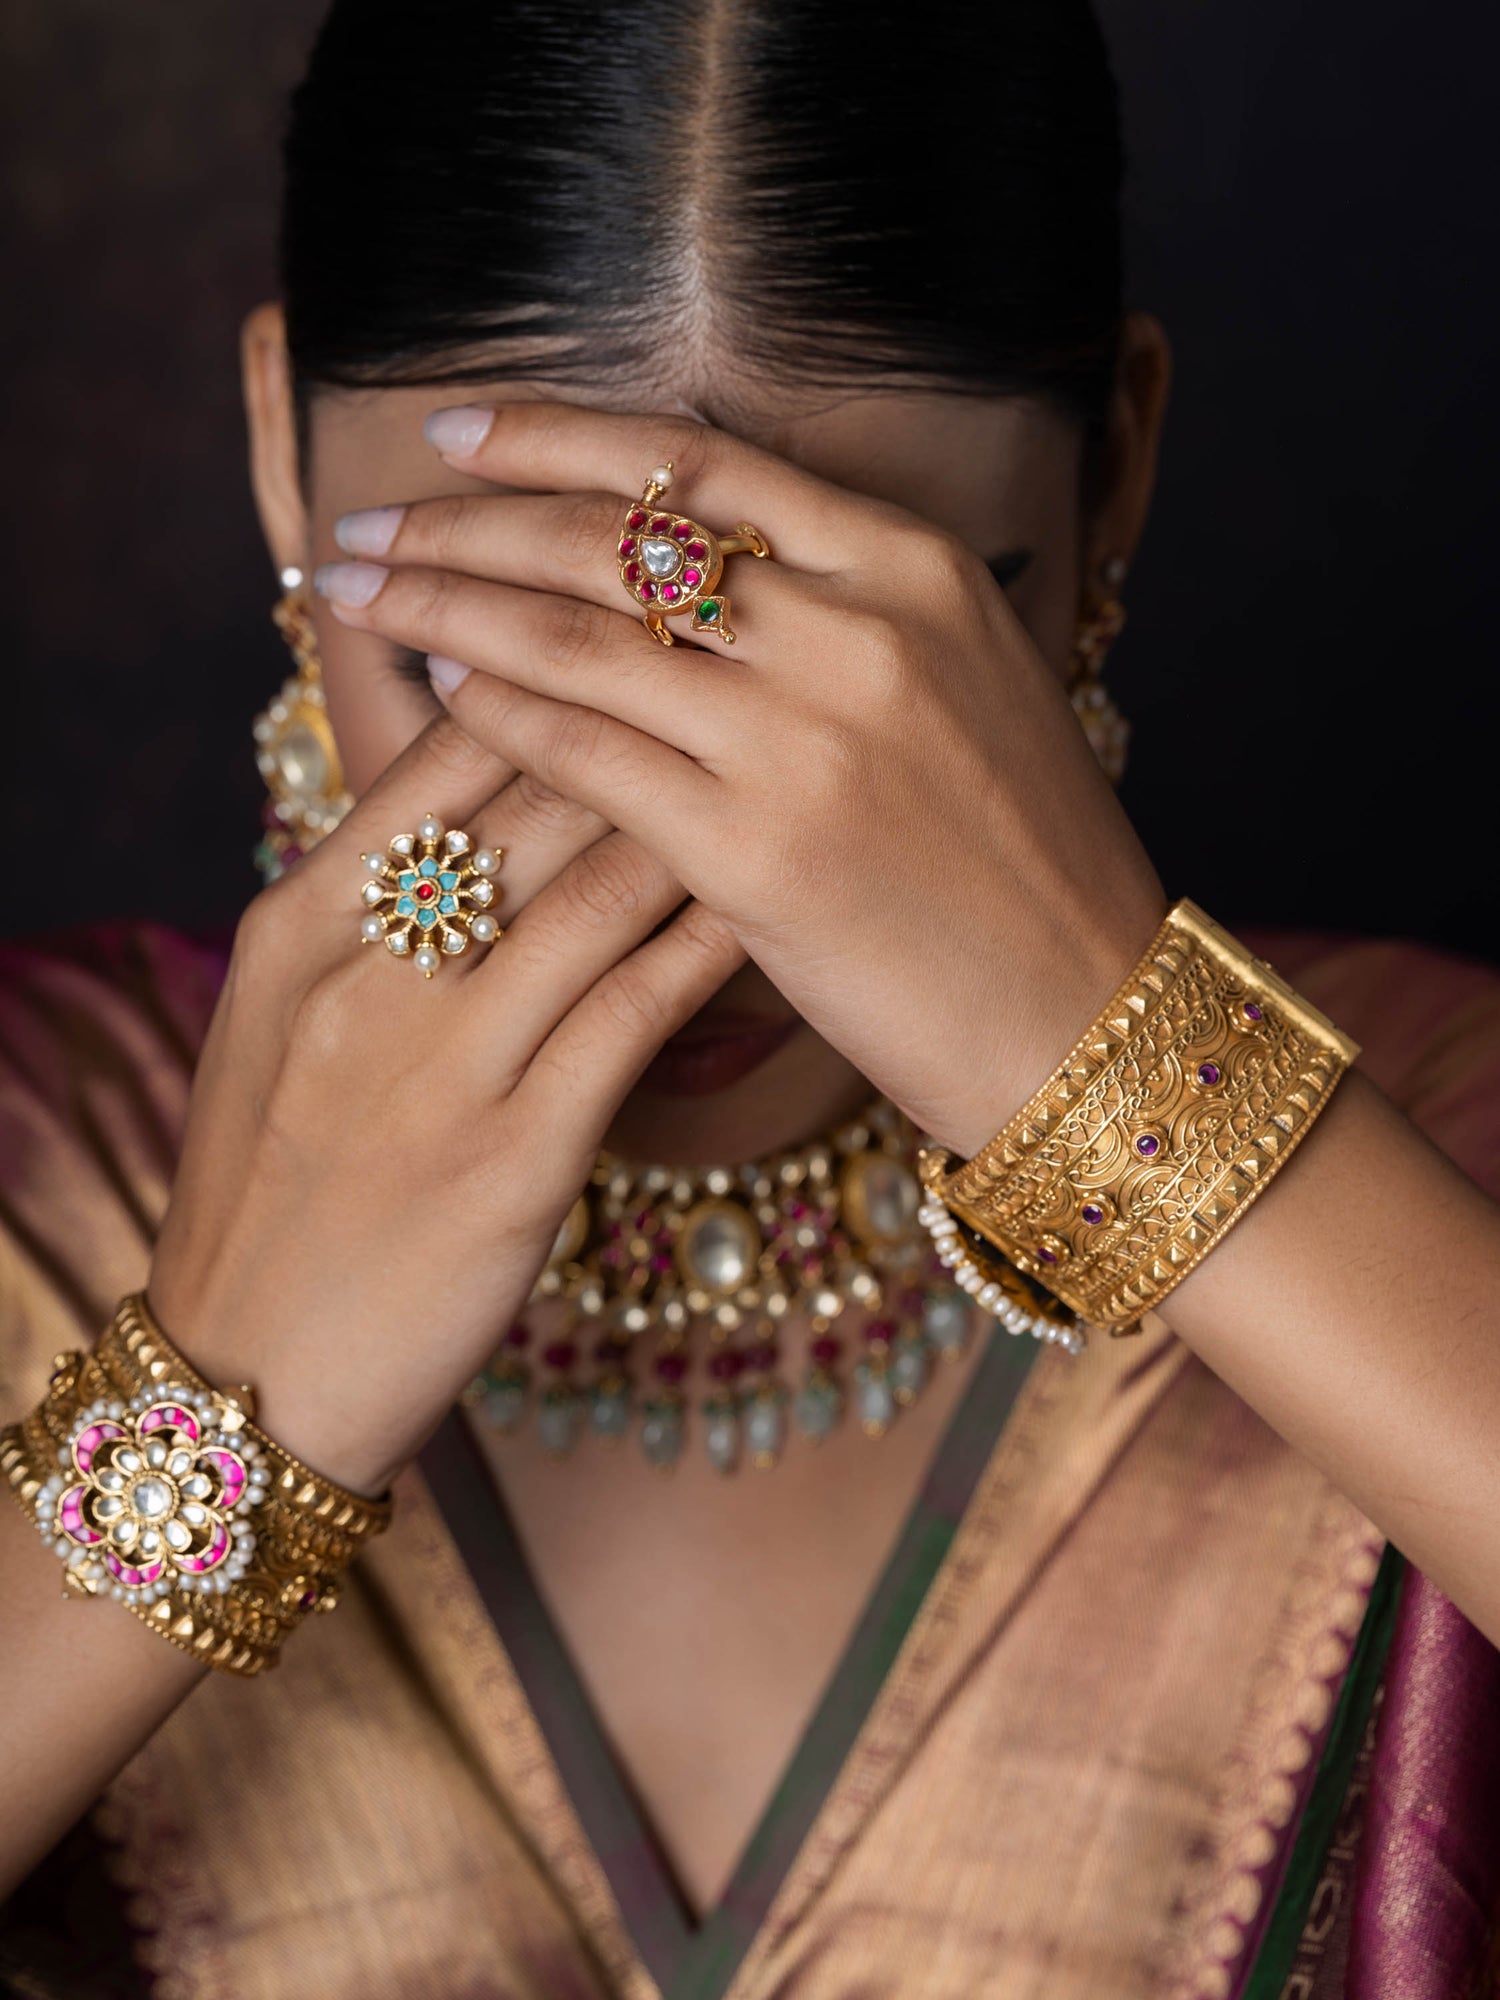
{"points": [[1017, 1306]]}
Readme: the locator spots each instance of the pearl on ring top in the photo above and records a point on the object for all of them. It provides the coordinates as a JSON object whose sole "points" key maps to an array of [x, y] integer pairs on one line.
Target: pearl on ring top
{"points": [[662, 476], [427, 896]]}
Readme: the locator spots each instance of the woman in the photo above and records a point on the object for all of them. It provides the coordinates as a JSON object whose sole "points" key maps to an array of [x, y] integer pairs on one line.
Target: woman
{"points": [[1159, 1665]]}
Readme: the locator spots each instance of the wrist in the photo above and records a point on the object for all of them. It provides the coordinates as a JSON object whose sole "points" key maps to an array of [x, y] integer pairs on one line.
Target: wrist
{"points": [[326, 1418], [1077, 965]]}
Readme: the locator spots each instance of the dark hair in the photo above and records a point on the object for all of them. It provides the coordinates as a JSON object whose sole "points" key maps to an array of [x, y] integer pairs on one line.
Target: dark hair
{"points": [[830, 191]]}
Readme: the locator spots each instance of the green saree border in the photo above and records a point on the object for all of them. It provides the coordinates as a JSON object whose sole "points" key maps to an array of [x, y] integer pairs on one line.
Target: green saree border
{"points": [[692, 1961], [718, 1946], [1283, 1931]]}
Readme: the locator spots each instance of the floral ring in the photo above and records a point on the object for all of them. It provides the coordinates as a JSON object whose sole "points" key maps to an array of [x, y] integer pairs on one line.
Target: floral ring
{"points": [[428, 896], [670, 564]]}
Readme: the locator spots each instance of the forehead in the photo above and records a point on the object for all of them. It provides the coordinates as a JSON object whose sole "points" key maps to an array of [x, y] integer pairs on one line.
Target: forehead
{"points": [[997, 471]]}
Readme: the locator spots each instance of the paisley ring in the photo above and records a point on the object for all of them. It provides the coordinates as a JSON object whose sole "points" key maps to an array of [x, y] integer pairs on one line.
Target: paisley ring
{"points": [[671, 565], [428, 896]]}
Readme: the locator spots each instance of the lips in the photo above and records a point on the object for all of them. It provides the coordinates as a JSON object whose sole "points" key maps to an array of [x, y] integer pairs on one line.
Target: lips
{"points": [[712, 1051]]}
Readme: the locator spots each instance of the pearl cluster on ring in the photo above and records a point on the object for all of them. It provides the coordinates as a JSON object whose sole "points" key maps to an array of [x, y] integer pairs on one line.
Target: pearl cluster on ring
{"points": [[154, 1495], [428, 895], [1014, 1317]]}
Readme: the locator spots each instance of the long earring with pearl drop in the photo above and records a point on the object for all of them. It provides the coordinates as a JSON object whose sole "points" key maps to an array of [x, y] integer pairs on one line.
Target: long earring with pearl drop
{"points": [[294, 746]]}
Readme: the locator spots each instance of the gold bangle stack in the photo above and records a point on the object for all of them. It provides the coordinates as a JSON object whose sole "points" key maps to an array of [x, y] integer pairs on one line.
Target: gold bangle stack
{"points": [[1191, 1089], [159, 1490]]}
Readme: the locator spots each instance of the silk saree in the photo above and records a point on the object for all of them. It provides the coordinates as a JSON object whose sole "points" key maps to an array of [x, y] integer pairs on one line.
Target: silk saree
{"points": [[1140, 1705]]}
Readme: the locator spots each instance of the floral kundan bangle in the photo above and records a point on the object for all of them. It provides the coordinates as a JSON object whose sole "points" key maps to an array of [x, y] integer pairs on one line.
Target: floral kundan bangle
{"points": [[159, 1490], [1190, 1090]]}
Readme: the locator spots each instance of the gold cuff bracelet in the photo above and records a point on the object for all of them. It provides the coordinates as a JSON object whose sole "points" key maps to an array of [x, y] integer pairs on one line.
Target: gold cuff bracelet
{"points": [[1191, 1089], [155, 1488]]}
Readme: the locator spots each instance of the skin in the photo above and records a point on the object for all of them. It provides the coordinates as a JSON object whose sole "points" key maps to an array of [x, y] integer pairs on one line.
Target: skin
{"points": [[880, 802]]}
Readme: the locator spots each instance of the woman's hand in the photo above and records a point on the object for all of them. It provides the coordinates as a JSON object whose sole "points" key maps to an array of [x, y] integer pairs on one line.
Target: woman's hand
{"points": [[376, 1165], [882, 788]]}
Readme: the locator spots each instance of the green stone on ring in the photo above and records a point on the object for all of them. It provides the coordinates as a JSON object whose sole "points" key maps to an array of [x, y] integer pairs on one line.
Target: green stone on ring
{"points": [[708, 610]]}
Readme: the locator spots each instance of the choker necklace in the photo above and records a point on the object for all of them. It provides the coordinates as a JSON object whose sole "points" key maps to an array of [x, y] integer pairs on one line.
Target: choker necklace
{"points": [[670, 1274]]}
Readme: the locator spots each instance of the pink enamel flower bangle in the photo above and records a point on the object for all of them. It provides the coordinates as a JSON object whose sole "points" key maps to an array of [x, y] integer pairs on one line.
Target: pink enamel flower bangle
{"points": [[155, 1488]]}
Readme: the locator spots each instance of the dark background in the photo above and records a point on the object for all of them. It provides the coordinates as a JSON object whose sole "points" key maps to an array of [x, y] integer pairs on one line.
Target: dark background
{"points": [[1309, 663]]}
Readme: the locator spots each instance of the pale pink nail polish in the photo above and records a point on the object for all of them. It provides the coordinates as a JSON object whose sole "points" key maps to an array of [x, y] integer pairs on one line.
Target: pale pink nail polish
{"points": [[369, 532], [354, 584], [460, 431], [446, 674]]}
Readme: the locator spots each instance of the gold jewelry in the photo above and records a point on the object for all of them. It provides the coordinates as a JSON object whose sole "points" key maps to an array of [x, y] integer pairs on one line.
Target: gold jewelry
{"points": [[157, 1489], [1192, 1088], [429, 894], [294, 746], [704, 1264], [1101, 622], [671, 565]]}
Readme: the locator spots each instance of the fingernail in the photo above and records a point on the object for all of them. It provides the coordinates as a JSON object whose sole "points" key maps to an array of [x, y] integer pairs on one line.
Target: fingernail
{"points": [[446, 674], [370, 532], [460, 431], [355, 584]]}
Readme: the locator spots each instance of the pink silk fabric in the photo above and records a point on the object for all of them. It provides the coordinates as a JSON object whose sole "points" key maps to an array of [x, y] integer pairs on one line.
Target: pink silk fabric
{"points": [[399, 1826], [1423, 1920]]}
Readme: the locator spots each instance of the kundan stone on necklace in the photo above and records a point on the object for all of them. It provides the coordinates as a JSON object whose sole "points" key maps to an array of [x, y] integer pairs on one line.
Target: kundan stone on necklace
{"points": [[671, 566], [677, 1289]]}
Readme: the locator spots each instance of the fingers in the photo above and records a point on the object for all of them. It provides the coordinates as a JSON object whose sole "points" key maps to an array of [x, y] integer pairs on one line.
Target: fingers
{"points": [[553, 541], [443, 770], [563, 646], [606, 902], [631, 780], [717, 480], [612, 1033], [537, 832]]}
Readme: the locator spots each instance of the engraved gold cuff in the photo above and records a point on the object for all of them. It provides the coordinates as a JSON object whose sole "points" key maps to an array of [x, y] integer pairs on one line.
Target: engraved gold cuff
{"points": [[1190, 1090]]}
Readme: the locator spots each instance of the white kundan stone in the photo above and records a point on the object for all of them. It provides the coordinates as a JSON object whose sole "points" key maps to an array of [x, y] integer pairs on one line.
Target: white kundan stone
{"points": [[152, 1498], [660, 556]]}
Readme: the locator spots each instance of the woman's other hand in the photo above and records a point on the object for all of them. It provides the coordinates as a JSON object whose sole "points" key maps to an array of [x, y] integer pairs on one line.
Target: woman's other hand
{"points": [[376, 1164]]}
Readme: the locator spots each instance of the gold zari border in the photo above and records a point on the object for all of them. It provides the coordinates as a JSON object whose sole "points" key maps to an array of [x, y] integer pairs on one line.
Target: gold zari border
{"points": [[308, 1529], [1190, 1090]]}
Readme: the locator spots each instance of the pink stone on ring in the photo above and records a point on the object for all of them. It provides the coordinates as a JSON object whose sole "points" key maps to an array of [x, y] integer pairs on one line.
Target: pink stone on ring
{"points": [[674, 566]]}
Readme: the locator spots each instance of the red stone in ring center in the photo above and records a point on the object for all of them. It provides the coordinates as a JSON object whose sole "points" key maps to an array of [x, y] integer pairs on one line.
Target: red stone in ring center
{"points": [[425, 891]]}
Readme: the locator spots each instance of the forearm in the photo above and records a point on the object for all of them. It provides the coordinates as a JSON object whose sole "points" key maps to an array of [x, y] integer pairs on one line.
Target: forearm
{"points": [[1356, 1307], [83, 1684]]}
